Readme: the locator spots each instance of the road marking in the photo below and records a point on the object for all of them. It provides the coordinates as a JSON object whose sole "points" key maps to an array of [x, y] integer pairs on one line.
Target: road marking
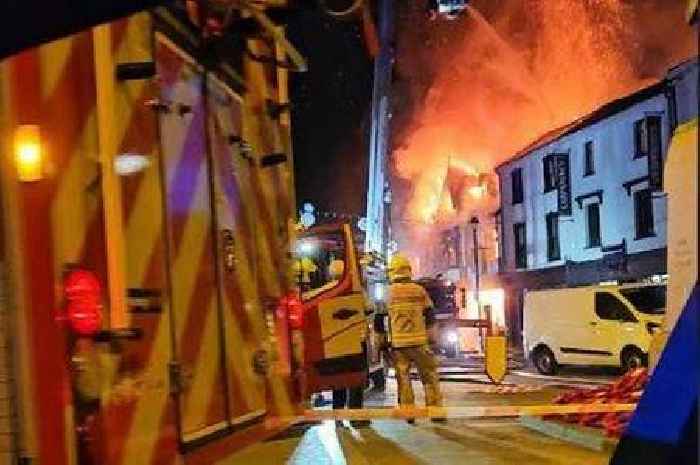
{"points": [[494, 411]]}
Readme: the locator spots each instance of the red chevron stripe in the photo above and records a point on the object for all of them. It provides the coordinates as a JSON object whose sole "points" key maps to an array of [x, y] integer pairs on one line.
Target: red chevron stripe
{"points": [[140, 137], [190, 342], [265, 220], [136, 356], [48, 366]]}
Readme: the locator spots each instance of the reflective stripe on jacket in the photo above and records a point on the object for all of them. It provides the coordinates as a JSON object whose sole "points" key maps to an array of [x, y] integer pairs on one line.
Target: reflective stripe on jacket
{"points": [[406, 303]]}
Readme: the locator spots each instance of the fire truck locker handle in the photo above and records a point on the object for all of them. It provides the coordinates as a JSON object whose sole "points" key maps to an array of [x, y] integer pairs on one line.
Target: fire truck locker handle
{"points": [[344, 314], [126, 334], [229, 250]]}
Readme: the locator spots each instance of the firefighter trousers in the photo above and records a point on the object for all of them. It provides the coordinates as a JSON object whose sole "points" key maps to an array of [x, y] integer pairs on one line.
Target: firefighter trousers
{"points": [[427, 366]]}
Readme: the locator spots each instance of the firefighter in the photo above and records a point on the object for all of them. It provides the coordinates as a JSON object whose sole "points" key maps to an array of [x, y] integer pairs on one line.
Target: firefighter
{"points": [[335, 272], [410, 319]]}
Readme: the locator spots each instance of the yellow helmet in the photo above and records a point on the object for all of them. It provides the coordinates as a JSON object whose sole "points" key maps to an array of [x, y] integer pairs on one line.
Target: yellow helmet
{"points": [[399, 267], [336, 269]]}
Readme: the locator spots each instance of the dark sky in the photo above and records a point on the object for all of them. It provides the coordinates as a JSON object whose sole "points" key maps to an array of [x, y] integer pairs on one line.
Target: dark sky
{"points": [[330, 113]]}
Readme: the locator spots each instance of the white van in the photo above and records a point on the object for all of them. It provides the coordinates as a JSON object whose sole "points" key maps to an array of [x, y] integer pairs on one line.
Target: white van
{"points": [[597, 325]]}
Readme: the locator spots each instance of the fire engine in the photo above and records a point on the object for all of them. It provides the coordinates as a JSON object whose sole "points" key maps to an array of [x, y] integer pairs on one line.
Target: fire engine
{"points": [[147, 312], [147, 235], [446, 313]]}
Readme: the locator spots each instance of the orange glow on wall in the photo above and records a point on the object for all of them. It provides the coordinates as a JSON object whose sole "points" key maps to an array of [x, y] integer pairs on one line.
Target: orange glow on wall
{"points": [[28, 153]]}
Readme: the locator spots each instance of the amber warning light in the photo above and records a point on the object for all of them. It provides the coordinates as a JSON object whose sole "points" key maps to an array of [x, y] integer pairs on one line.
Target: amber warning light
{"points": [[28, 153]]}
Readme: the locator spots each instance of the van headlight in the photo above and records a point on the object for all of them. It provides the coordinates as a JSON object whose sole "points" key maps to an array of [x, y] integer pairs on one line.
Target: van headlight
{"points": [[653, 328], [452, 337]]}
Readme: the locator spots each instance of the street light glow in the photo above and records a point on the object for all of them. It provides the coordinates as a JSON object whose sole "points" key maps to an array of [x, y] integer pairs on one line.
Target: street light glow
{"points": [[306, 247]]}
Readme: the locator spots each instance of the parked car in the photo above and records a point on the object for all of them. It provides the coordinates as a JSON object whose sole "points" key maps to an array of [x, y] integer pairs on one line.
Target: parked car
{"points": [[597, 325]]}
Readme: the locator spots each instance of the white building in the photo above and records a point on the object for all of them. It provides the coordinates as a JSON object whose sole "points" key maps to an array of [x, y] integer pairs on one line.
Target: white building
{"points": [[585, 203]]}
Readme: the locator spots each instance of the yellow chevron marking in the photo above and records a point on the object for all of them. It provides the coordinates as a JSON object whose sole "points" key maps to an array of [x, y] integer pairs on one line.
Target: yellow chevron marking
{"points": [[146, 426], [138, 46], [54, 58], [143, 227], [69, 221], [240, 363], [192, 252], [205, 374], [73, 207], [246, 274]]}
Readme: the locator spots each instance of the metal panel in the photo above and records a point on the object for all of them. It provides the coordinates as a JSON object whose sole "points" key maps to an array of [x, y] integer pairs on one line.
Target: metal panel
{"points": [[245, 325], [197, 374]]}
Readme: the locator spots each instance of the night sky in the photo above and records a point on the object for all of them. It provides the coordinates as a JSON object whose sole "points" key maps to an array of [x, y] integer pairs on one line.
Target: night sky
{"points": [[330, 112]]}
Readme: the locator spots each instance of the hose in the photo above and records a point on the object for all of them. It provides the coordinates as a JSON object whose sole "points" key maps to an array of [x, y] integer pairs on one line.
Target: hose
{"points": [[351, 10]]}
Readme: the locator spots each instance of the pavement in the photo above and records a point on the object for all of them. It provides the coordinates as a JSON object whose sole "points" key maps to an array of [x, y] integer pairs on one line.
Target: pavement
{"points": [[502, 441]]}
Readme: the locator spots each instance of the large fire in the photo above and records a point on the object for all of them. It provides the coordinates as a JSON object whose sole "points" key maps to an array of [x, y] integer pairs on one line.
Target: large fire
{"points": [[532, 66]]}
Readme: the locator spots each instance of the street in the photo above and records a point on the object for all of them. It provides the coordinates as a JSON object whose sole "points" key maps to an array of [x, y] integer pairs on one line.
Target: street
{"points": [[479, 442]]}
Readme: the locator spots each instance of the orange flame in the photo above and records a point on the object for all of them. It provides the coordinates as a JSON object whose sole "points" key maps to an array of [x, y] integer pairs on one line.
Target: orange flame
{"points": [[533, 66]]}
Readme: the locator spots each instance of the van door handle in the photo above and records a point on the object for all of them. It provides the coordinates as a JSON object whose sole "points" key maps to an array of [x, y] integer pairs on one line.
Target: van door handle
{"points": [[593, 323]]}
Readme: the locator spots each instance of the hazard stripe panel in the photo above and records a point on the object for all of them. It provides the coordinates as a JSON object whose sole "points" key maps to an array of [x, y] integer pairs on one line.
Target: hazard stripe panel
{"points": [[205, 260]]}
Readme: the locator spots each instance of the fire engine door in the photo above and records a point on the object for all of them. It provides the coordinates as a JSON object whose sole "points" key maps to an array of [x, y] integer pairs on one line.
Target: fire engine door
{"points": [[335, 324], [198, 374], [244, 322]]}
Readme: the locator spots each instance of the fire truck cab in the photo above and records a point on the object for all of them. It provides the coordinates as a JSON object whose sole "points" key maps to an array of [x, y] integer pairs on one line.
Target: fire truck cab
{"points": [[332, 333]]}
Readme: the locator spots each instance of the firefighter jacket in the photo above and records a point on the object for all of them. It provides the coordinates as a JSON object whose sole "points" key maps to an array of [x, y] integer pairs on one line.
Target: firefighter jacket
{"points": [[407, 302]]}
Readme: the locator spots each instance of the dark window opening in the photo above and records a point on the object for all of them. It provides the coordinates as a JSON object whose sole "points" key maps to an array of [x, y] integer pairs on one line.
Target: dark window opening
{"points": [[593, 217], [647, 135], [647, 299], [609, 307], [553, 252], [643, 214], [520, 245], [549, 169], [589, 160], [641, 147], [516, 178]]}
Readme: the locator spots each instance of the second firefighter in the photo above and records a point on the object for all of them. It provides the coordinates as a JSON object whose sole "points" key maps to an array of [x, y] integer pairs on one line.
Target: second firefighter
{"points": [[410, 312]]}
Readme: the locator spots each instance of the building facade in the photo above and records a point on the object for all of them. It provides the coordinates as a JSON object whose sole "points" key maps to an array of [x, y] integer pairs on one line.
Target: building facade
{"points": [[584, 203]]}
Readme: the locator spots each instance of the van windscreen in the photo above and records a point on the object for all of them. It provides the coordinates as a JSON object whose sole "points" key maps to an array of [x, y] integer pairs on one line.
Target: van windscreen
{"points": [[648, 299]]}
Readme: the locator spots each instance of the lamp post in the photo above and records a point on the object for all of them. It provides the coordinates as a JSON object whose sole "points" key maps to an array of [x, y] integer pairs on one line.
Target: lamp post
{"points": [[475, 231]]}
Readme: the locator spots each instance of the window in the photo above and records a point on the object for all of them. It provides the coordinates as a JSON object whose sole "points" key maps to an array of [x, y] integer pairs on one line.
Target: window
{"points": [[641, 147], [643, 214], [647, 135], [520, 245], [589, 161], [609, 307], [553, 237], [593, 219], [516, 178], [549, 171], [648, 299], [319, 263]]}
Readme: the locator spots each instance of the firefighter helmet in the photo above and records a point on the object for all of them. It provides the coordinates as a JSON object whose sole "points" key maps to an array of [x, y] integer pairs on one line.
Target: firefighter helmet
{"points": [[399, 267]]}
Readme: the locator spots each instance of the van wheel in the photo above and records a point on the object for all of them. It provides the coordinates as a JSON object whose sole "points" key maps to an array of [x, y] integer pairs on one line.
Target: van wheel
{"points": [[632, 358], [544, 361]]}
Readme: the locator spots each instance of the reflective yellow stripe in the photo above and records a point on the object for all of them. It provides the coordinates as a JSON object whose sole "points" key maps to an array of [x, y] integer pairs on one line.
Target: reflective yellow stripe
{"points": [[495, 411]]}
